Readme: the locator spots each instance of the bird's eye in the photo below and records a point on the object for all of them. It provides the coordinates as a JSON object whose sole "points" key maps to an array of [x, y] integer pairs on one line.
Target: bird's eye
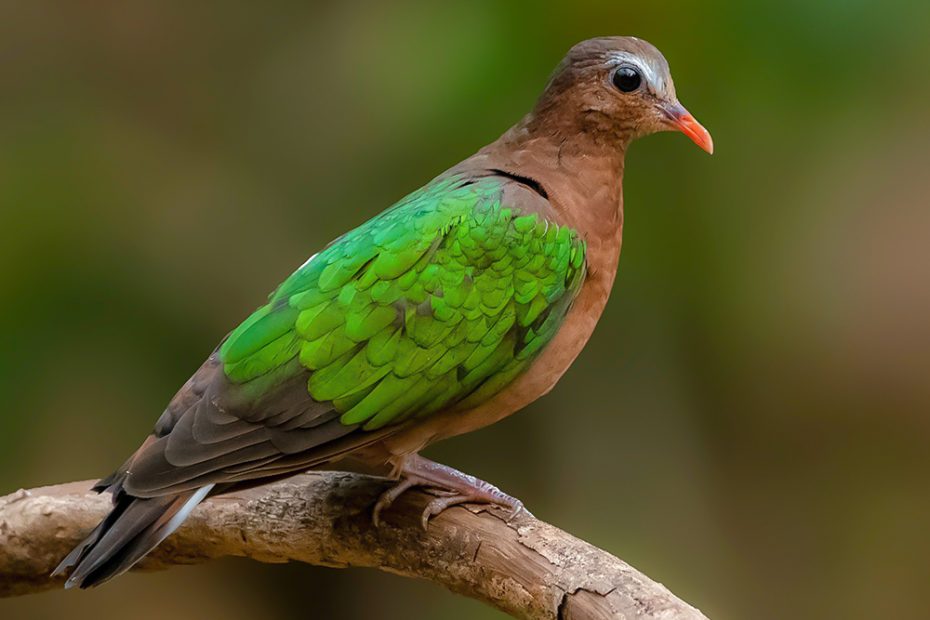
{"points": [[627, 79]]}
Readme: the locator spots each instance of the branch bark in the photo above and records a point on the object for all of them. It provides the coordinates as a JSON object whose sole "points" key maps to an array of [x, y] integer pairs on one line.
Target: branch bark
{"points": [[527, 568]]}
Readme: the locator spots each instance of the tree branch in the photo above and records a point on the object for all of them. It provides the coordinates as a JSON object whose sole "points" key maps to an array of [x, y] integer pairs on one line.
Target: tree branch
{"points": [[526, 568]]}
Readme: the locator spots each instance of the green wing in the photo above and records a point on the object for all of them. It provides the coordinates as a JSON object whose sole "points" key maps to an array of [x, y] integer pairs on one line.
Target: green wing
{"points": [[437, 303]]}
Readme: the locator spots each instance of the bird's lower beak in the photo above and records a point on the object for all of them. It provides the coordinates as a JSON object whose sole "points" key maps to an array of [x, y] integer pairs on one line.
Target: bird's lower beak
{"points": [[681, 120]]}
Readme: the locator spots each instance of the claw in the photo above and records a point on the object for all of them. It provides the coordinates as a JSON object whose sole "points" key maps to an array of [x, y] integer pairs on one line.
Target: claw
{"points": [[517, 509], [436, 506], [389, 497]]}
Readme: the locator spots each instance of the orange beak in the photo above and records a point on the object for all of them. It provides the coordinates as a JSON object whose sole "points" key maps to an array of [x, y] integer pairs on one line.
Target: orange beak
{"points": [[681, 120]]}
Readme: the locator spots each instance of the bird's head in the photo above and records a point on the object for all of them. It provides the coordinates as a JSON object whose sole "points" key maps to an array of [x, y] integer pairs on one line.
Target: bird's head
{"points": [[617, 88]]}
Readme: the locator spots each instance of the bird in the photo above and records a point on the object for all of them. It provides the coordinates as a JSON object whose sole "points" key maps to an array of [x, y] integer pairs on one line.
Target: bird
{"points": [[457, 306]]}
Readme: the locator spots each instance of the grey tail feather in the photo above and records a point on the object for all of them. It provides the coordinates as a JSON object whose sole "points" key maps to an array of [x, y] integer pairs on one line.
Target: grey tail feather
{"points": [[134, 527]]}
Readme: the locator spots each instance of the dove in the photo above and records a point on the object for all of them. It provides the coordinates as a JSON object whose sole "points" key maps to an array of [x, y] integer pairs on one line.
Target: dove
{"points": [[457, 306]]}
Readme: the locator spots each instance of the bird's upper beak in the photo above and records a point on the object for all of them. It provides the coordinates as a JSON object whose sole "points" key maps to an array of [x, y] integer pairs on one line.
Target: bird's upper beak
{"points": [[680, 119]]}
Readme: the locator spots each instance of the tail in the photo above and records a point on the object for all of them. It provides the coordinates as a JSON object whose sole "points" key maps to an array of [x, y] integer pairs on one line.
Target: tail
{"points": [[134, 527]]}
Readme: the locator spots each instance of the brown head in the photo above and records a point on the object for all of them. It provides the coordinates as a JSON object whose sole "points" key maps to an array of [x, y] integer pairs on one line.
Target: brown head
{"points": [[615, 89]]}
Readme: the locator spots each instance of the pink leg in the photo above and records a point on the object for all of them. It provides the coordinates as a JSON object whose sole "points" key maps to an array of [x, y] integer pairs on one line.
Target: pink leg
{"points": [[453, 486]]}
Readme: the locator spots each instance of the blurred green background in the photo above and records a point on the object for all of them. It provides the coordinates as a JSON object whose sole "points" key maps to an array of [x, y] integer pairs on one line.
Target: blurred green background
{"points": [[749, 424]]}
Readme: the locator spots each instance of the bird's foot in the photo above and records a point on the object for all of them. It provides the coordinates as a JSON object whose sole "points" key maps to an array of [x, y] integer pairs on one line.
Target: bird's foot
{"points": [[451, 486]]}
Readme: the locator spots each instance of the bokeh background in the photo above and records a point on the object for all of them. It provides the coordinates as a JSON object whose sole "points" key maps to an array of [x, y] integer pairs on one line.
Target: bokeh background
{"points": [[750, 423]]}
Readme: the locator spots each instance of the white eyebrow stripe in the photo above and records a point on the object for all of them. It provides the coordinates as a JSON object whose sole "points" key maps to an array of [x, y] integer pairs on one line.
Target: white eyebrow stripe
{"points": [[619, 58]]}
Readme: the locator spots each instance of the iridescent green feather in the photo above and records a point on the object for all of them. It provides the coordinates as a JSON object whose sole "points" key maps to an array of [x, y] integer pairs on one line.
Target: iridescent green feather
{"points": [[437, 303]]}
